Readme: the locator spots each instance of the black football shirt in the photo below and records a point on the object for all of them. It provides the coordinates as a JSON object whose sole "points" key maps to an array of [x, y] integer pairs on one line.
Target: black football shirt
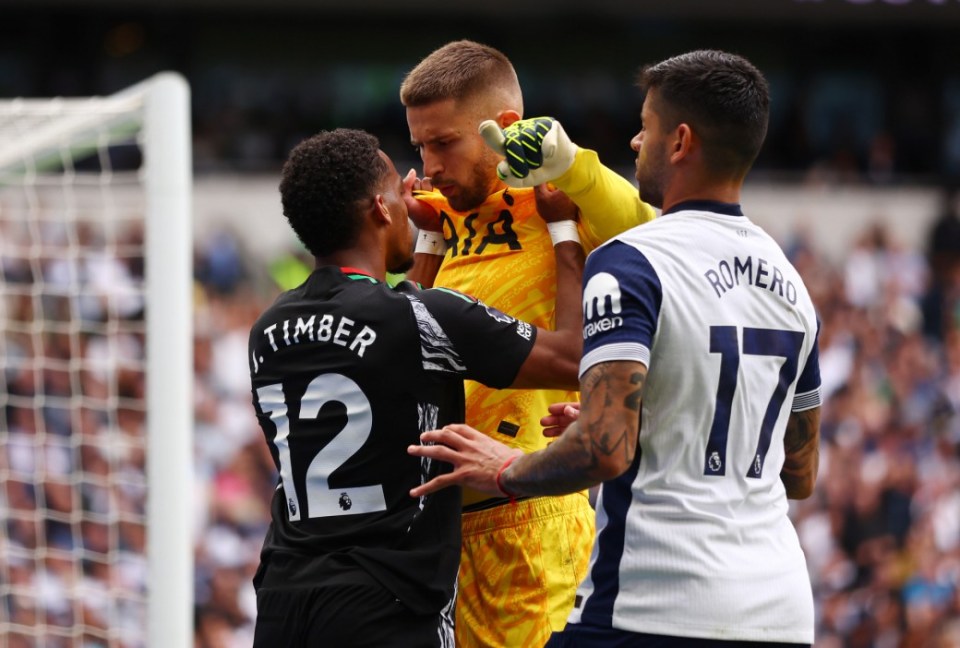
{"points": [[346, 373]]}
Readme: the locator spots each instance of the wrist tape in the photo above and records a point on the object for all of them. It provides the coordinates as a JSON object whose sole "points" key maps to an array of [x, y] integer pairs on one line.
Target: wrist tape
{"points": [[430, 243], [565, 230]]}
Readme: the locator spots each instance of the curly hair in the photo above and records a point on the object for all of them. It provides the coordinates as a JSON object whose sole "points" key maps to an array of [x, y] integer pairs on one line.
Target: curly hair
{"points": [[722, 96], [325, 183]]}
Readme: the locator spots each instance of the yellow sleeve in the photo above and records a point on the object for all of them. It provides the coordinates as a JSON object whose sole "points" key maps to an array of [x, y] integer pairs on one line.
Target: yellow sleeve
{"points": [[609, 203]]}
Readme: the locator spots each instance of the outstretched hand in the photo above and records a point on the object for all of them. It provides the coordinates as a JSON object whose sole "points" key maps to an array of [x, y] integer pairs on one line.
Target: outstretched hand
{"points": [[476, 458], [423, 215], [560, 417]]}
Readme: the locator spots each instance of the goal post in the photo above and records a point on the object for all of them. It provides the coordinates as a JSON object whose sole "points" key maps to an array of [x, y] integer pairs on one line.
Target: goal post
{"points": [[168, 176], [96, 344]]}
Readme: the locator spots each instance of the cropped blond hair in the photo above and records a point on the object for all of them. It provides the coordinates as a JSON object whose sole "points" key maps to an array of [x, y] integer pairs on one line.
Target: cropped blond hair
{"points": [[461, 70]]}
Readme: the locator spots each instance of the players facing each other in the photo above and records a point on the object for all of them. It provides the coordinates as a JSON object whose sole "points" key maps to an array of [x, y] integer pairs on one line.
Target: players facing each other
{"points": [[346, 373], [700, 393], [521, 564]]}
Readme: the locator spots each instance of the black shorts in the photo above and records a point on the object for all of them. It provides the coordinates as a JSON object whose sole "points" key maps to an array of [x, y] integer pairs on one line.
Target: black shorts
{"points": [[356, 614], [576, 635]]}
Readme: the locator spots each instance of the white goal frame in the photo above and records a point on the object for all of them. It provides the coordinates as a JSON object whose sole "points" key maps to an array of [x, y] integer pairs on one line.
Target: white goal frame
{"points": [[159, 108]]}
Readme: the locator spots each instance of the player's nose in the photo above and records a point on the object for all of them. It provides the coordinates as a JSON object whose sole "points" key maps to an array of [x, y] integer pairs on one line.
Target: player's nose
{"points": [[432, 165]]}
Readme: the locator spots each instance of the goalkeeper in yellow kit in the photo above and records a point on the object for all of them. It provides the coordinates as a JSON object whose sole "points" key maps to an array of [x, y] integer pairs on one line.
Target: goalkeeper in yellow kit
{"points": [[521, 561]]}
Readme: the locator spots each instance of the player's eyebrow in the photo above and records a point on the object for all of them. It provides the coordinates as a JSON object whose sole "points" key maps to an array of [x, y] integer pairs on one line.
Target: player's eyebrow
{"points": [[453, 133]]}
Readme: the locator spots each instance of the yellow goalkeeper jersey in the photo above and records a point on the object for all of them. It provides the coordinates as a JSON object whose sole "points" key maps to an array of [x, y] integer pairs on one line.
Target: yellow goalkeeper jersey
{"points": [[501, 253]]}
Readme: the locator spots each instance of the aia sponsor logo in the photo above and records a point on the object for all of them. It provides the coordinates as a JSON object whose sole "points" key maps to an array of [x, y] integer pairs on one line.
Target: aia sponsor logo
{"points": [[601, 304]]}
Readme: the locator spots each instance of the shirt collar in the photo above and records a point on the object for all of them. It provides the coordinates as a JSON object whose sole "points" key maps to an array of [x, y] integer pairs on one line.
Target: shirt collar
{"points": [[729, 209]]}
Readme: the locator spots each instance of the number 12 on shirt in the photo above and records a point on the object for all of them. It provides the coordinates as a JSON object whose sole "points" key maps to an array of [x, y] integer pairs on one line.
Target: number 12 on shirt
{"points": [[322, 500]]}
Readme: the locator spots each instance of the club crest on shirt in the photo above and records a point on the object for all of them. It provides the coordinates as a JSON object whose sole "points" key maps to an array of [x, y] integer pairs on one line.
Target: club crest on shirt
{"points": [[498, 315]]}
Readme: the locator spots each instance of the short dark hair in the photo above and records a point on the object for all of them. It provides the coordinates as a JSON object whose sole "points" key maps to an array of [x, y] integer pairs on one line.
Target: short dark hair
{"points": [[723, 97], [326, 181]]}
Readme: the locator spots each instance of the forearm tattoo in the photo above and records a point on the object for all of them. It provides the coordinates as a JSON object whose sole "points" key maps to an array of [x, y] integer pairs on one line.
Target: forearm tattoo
{"points": [[633, 399], [608, 386], [801, 443], [611, 396]]}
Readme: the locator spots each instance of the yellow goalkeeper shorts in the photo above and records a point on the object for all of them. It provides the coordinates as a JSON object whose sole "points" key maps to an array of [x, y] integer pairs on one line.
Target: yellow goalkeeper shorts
{"points": [[519, 570]]}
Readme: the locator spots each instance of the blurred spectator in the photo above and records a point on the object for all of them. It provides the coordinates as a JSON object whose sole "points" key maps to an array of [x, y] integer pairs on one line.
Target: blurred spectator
{"points": [[943, 255], [219, 265], [881, 159]]}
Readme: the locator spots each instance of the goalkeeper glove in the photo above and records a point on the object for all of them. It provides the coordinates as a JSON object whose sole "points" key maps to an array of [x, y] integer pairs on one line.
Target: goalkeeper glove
{"points": [[535, 150]]}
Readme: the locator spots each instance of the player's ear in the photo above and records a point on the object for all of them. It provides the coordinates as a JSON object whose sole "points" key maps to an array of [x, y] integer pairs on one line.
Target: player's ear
{"points": [[682, 143], [381, 211], [507, 117]]}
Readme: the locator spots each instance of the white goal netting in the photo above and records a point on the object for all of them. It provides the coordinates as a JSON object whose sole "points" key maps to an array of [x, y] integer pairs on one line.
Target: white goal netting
{"points": [[95, 411]]}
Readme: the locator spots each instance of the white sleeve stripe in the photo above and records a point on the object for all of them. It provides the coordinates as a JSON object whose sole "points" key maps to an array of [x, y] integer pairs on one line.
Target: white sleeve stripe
{"points": [[621, 351], [805, 401]]}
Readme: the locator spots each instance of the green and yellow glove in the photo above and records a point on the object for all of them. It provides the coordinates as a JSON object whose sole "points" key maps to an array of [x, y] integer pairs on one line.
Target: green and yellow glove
{"points": [[535, 150]]}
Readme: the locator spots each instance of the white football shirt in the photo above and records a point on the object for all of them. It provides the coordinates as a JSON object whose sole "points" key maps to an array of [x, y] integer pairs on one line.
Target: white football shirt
{"points": [[694, 539]]}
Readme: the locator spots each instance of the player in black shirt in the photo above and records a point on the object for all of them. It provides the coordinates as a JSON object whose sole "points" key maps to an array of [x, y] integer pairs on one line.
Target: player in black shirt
{"points": [[346, 373]]}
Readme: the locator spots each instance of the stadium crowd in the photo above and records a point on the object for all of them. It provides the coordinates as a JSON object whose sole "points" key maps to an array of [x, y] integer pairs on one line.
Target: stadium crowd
{"points": [[73, 569]]}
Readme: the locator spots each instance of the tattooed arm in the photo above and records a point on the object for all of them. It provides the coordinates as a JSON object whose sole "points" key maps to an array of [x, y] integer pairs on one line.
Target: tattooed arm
{"points": [[802, 445], [599, 446]]}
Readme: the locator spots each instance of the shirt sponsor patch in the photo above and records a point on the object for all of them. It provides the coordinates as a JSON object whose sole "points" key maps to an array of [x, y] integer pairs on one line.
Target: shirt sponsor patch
{"points": [[601, 304], [524, 330]]}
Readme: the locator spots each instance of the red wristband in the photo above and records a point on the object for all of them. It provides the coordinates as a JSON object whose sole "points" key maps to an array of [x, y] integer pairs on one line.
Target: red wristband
{"points": [[506, 464]]}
